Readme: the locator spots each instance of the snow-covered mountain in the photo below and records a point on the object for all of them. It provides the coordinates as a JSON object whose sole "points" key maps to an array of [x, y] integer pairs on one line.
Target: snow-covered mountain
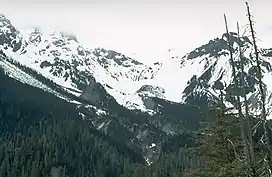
{"points": [[131, 100], [102, 83], [211, 72], [61, 58]]}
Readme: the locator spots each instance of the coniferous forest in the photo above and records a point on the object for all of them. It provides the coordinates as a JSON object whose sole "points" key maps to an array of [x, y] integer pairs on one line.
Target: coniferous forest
{"points": [[42, 135]]}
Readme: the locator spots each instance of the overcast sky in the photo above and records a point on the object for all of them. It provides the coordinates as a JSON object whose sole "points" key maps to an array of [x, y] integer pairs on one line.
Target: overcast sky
{"points": [[145, 27]]}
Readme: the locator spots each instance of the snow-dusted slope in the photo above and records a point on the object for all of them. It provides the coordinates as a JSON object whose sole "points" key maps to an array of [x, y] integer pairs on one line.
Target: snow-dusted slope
{"points": [[108, 77], [62, 59], [194, 78], [16, 73], [209, 71]]}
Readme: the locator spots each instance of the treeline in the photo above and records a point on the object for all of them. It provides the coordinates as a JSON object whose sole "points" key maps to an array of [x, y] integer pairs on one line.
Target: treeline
{"points": [[28, 113], [40, 132], [41, 78]]}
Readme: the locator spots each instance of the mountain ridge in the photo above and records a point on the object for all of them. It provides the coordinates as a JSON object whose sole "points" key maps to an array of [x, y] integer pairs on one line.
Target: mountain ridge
{"points": [[126, 95], [61, 58]]}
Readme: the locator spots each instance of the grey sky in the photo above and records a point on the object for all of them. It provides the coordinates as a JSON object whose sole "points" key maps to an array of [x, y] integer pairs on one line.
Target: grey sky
{"points": [[147, 28]]}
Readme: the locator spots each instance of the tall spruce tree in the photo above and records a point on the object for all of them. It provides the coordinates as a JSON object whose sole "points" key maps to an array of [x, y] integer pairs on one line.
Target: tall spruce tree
{"points": [[219, 148]]}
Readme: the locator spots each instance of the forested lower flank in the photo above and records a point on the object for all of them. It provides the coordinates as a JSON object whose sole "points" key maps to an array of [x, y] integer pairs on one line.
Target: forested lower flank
{"points": [[35, 140], [40, 132]]}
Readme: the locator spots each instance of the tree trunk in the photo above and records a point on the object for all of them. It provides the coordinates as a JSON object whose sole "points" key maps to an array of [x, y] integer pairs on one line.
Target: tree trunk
{"points": [[248, 125], [259, 75], [241, 117]]}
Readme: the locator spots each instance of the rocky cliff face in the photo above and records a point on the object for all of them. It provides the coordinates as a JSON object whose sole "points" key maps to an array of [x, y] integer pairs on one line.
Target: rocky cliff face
{"points": [[10, 37], [195, 78], [135, 103], [213, 73], [60, 57]]}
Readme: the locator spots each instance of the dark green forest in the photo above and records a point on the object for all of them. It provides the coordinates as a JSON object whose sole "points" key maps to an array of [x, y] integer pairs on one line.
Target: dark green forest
{"points": [[40, 132]]}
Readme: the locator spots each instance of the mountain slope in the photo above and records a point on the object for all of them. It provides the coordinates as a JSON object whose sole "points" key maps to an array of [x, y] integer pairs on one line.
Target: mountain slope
{"points": [[61, 58], [135, 104], [40, 132], [213, 73], [190, 79], [140, 132]]}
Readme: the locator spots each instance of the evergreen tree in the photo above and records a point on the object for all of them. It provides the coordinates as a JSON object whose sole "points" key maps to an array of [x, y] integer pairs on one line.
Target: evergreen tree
{"points": [[220, 149]]}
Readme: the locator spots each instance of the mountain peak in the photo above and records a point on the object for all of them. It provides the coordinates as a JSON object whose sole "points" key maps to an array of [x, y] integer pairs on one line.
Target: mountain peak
{"points": [[3, 18], [10, 37], [61, 58], [218, 46]]}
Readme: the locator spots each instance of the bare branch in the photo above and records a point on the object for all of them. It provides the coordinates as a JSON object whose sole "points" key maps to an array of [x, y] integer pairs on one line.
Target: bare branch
{"points": [[237, 98]]}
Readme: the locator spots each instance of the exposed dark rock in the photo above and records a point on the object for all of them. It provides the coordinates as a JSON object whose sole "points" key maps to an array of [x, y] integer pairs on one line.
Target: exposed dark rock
{"points": [[45, 64], [59, 43], [80, 51], [2, 53], [218, 85], [155, 90], [149, 103], [17, 46], [91, 93]]}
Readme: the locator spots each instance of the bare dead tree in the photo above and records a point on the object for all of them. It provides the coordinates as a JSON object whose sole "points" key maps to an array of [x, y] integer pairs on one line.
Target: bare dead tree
{"points": [[262, 91], [237, 98], [259, 75], [248, 124]]}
